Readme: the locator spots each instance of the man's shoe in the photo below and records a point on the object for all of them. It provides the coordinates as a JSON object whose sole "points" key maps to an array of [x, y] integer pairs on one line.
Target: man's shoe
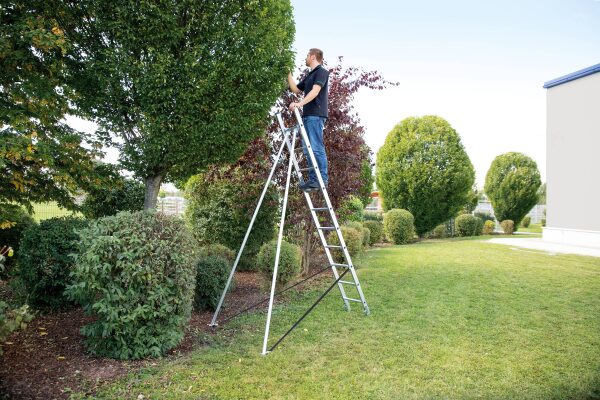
{"points": [[309, 186]]}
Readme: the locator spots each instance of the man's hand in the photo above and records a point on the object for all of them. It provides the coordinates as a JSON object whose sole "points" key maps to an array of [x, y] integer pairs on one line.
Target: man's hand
{"points": [[294, 105]]}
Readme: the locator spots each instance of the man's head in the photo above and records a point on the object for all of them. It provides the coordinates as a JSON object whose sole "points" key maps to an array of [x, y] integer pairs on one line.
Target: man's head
{"points": [[314, 58]]}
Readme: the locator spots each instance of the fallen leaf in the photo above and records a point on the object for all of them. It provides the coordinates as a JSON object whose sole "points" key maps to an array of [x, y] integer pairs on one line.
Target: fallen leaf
{"points": [[60, 358], [43, 333]]}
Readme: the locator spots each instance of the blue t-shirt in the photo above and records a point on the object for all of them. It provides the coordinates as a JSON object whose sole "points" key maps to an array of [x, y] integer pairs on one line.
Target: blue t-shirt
{"points": [[318, 105]]}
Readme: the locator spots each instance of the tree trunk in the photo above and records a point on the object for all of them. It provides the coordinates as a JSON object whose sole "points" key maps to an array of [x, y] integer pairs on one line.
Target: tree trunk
{"points": [[152, 188]]}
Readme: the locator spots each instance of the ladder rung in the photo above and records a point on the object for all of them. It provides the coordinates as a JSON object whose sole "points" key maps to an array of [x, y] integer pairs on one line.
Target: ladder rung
{"points": [[327, 228], [306, 169], [320, 209], [350, 299], [348, 283], [333, 247], [339, 265]]}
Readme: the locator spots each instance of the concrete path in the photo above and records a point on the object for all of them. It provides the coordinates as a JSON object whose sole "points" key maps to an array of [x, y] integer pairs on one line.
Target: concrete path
{"points": [[552, 248]]}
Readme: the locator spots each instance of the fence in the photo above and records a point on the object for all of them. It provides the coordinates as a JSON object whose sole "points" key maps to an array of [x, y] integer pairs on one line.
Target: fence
{"points": [[536, 214]]}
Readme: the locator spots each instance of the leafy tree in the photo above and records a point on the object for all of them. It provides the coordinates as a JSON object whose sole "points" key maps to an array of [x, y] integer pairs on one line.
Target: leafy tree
{"points": [[368, 179], [41, 158], [512, 184], [181, 84], [423, 168], [542, 194]]}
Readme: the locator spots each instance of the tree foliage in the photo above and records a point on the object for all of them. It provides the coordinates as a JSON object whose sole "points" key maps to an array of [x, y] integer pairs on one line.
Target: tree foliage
{"points": [[423, 168], [512, 184], [181, 84], [41, 157]]}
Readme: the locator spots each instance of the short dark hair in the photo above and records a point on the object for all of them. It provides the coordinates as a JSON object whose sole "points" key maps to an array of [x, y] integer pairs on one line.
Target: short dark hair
{"points": [[318, 53]]}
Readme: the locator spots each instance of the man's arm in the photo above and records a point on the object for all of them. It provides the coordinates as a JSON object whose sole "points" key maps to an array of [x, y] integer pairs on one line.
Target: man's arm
{"points": [[308, 98], [292, 84]]}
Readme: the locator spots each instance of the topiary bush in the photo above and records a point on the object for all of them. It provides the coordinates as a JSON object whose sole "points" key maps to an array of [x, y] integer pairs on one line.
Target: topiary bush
{"points": [[468, 225], [398, 225], [526, 221], [212, 272], [512, 184], [508, 226], [219, 250], [14, 220], [125, 195], [352, 209], [219, 211], [353, 239], [488, 227], [135, 273], [439, 232], [11, 320], [376, 228], [290, 260], [423, 167], [45, 261]]}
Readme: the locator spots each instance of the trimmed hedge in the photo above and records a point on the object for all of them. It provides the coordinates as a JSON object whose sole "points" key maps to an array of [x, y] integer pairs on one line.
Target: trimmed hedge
{"points": [[399, 226], [489, 227], [11, 237], [468, 225], [376, 228], [439, 232], [45, 261], [212, 272], [135, 273], [353, 239], [219, 250], [508, 226], [290, 260]]}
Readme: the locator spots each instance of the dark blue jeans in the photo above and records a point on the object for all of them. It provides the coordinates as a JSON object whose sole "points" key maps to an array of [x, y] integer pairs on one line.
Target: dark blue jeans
{"points": [[314, 129]]}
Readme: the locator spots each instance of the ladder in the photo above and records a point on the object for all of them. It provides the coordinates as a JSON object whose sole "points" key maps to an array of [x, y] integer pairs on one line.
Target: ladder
{"points": [[290, 136]]}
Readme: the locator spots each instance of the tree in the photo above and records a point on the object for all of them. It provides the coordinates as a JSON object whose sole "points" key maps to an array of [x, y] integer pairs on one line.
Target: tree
{"points": [[41, 157], [423, 168], [181, 85], [512, 184], [542, 194]]}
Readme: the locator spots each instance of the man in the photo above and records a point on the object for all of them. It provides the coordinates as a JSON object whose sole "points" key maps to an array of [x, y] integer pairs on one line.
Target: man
{"points": [[314, 103]]}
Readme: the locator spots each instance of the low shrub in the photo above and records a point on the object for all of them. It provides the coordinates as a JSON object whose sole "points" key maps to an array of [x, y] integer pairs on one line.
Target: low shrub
{"points": [[489, 227], [439, 232], [14, 221], [217, 250], [376, 228], [12, 320], [468, 225], [373, 216], [135, 273], [353, 239], [45, 261], [508, 226], [366, 232], [526, 221], [399, 226], [290, 260], [351, 209], [211, 276]]}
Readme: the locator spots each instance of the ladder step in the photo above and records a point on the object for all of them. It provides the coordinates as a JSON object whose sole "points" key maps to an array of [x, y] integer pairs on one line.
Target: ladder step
{"points": [[306, 169], [327, 228], [333, 247], [348, 283], [320, 209], [339, 265], [355, 300]]}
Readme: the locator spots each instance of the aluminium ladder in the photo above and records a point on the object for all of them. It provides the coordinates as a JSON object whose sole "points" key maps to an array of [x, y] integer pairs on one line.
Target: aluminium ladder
{"points": [[290, 136]]}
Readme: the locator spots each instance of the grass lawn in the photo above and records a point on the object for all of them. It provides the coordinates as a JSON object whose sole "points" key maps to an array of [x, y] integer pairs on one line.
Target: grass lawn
{"points": [[49, 210], [532, 228], [450, 319]]}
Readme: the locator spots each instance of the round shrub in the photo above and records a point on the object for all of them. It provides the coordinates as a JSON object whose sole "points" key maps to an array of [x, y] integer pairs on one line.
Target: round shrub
{"points": [[376, 228], [220, 210], [439, 232], [45, 262], [352, 209], [508, 226], [489, 227], [219, 250], [135, 273], [353, 239], [125, 195], [366, 234], [526, 221], [468, 225], [373, 216], [398, 225], [212, 272], [290, 260], [15, 221]]}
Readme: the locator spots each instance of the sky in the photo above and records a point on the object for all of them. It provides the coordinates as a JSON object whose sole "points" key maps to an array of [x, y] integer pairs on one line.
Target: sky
{"points": [[480, 65]]}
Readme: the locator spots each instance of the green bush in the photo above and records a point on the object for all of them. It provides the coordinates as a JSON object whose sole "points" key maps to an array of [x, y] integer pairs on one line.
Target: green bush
{"points": [[489, 227], [508, 226], [512, 184], [290, 260], [366, 232], [219, 250], [423, 167], [526, 221], [468, 225], [125, 195], [19, 220], [439, 232], [220, 211], [45, 262], [353, 239], [485, 216], [135, 273], [373, 216], [352, 209], [543, 221], [212, 272], [398, 225], [11, 320], [376, 228]]}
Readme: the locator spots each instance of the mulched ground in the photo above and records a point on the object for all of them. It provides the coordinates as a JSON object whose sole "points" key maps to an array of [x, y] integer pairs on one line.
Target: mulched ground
{"points": [[48, 360]]}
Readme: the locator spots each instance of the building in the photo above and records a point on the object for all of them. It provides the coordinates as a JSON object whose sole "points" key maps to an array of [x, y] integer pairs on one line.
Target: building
{"points": [[573, 163]]}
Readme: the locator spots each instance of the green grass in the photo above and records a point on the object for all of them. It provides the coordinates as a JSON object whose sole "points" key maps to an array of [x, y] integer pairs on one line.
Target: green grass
{"points": [[532, 228], [459, 319], [49, 210]]}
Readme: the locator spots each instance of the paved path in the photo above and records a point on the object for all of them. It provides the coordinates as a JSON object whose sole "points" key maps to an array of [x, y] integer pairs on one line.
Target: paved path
{"points": [[553, 248]]}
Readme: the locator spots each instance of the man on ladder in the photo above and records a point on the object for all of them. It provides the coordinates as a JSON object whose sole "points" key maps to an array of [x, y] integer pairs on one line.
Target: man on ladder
{"points": [[315, 87]]}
